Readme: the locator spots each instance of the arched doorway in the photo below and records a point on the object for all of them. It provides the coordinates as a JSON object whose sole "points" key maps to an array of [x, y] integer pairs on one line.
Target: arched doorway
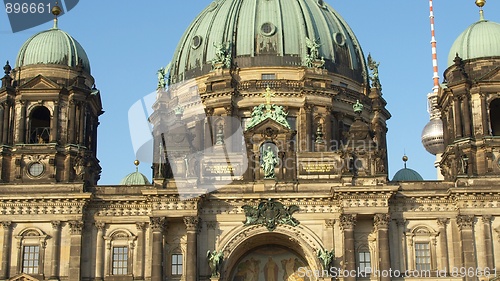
{"points": [[495, 117], [292, 249], [270, 263]]}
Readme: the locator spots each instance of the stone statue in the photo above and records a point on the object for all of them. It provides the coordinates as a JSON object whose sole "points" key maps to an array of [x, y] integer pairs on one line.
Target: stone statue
{"points": [[162, 76], [222, 56], [326, 258], [220, 135], [214, 261], [373, 66], [269, 162], [313, 59]]}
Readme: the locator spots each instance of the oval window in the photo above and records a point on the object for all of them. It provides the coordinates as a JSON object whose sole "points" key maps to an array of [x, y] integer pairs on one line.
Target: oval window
{"points": [[36, 169], [268, 29]]}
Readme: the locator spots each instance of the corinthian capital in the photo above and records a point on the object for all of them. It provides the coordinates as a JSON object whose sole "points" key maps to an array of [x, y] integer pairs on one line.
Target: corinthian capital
{"points": [[381, 220], [75, 227], [157, 224], [191, 223], [465, 221], [347, 221]]}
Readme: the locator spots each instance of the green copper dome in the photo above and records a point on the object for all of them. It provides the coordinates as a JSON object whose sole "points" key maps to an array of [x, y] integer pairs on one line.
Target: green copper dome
{"points": [[52, 46], [480, 40], [407, 174], [135, 178], [267, 33]]}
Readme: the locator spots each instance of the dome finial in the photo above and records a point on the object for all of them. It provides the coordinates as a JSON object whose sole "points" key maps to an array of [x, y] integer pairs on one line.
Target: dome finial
{"points": [[56, 11], [405, 159], [480, 4], [136, 163]]}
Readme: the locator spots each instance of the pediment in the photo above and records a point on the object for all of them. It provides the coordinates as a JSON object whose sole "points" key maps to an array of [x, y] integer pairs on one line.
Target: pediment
{"points": [[23, 277], [40, 82], [492, 75], [269, 124]]}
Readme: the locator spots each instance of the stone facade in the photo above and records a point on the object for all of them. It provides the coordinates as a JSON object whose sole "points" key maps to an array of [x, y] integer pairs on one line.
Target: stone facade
{"points": [[323, 210]]}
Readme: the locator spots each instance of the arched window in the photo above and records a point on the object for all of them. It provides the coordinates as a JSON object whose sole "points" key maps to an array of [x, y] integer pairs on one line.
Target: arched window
{"points": [[422, 249], [120, 245], [364, 260], [39, 127], [31, 251], [495, 117]]}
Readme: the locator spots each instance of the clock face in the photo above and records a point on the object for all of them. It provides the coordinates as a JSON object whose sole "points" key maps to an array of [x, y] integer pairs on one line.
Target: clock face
{"points": [[36, 169]]}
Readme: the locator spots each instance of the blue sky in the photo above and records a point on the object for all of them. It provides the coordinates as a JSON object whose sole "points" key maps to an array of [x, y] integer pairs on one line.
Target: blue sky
{"points": [[127, 42]]}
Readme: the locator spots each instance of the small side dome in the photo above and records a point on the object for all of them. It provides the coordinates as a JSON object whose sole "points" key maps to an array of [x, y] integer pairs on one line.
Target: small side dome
{"points": [[53, 46], [480, 40], [432, 137], [135, 178], [407, 174]]}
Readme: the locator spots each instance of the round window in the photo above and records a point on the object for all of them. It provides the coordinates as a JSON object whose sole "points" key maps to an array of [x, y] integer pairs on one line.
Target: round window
{"points": [[268, 29], [339, 38], [196, 43], [36, 169]]}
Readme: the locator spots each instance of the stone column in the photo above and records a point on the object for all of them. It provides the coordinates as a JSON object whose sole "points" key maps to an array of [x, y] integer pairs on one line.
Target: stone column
{"points": [[484, 115], [6, 249], [443, 245], [309, 127], [139, 270], [228, 127], [458, 118], [466, 225], [328, 128], [81, 125], [6, 122], [54, 124], [75, 250], [20, 136], [72, 121], [347, 223], [157, 225], [466, 113], [56, 245], [488, 243], [400, 224], [99, 253], [381, 225], [191, 252]]}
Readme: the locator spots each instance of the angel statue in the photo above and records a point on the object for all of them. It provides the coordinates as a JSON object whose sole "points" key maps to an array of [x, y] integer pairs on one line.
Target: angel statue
{"points": [[326, 258], [373, 66], [214, 261], [162, 76], [313, 59]]}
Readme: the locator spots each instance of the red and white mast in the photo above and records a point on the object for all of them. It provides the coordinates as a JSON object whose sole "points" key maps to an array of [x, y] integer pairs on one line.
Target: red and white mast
{"points": [[434, 52], [432, 97]]}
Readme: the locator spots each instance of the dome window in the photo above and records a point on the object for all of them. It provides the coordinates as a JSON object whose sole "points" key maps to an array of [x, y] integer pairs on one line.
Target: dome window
{"points": [[196, 43], [339, 38], [268, 29], [36, 169], [495, 117], [39, 125]]}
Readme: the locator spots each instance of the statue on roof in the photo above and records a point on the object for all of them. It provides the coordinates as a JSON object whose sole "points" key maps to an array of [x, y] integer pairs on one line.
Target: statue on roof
{"points": [[222, 56], [313, 59], [163, 74], [373, 66]]}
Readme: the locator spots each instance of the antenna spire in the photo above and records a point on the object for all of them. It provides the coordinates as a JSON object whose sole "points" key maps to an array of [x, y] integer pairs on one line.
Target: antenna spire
{"points": [[434, 50], [56, 11]]}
